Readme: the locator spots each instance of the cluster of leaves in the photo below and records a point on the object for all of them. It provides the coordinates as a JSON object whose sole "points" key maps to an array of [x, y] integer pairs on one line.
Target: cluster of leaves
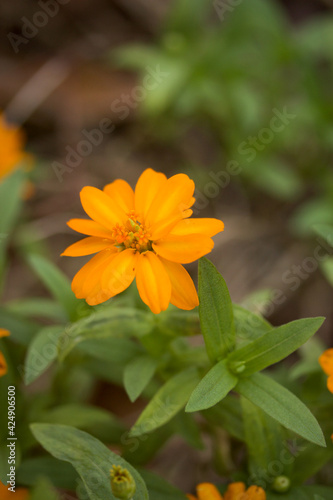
{"points": [[226, 74], [154, 357]]}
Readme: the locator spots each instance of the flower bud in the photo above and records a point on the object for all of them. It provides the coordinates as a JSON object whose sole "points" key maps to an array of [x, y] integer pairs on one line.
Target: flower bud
{"points": [[281, 484], [122, 483]]}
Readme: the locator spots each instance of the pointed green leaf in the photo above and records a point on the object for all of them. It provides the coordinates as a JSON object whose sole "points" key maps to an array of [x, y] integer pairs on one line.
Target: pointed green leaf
{"points": [[216, 312], [167, 402], [138, 374], [266, 442], [275, 345], [249, 326], [106, 324], [216, 384], [56, 282], [11, 188], [282, 405], [91, 459], [42, 351]]}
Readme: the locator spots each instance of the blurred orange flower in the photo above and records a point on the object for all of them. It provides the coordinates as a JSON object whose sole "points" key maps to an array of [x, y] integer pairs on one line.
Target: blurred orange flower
{"points": [[326, 362], [235, 491], [11, 147], [147, 235], [20, 493], [3, 364]]}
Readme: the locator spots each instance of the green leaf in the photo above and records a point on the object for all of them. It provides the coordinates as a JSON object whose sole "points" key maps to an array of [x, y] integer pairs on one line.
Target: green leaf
{"points": [[282, 405], [227, 414], [249, 326], [275, 345], [44, 489], [106, 323], [216, 312], [91, 459], [265, 441], [11, 189], [114, 350], [308, 462], [42, 351], [327, 268], [138, 374], [159, 489], [37, 308], [78, 415], [56, 282], [62, 474], [22, 330], [215, 385], [167, 402]]}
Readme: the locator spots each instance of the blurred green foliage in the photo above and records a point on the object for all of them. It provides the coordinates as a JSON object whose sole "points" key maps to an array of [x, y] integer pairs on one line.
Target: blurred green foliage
{"points": [[260, 88]]}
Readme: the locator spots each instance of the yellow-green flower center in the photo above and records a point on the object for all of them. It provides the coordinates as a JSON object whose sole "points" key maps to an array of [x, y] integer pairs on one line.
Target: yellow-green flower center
{"points": [[132, 234]]}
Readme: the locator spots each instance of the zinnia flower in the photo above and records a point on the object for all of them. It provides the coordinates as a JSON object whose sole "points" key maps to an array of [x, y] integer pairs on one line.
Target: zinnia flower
{"points": [[326, 362], [3, 364], [11, 147], [235, 491], [147, 235]]}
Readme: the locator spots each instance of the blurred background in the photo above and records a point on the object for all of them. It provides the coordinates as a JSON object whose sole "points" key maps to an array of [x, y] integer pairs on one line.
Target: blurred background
{"points": [[238, 94]]}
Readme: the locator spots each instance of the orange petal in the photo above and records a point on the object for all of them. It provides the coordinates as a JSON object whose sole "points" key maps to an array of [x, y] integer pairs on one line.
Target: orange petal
{"points": [[88, 277], [89, 227], [183, 249], [101, 208], [172, 199], [192, 201], [153, 282], [122, 193], [120, 273], [207, 491], [4, 332], [146, 189], [191, 497], [20, 493], [326, 361], [183, 293], [254, 493], [165, 226], [206, 226], [330, 383], [235, 491], [87, 246], [3, 365]]}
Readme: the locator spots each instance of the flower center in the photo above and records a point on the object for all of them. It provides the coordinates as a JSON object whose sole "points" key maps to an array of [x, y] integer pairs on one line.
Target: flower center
{"points": [[132, 234]]}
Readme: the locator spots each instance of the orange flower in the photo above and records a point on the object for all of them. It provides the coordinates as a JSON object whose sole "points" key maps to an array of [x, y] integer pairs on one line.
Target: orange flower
{"points": [[326, 362], [20, 493], [3, 364], [145, 234], [235, 491], [11, 147]]}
